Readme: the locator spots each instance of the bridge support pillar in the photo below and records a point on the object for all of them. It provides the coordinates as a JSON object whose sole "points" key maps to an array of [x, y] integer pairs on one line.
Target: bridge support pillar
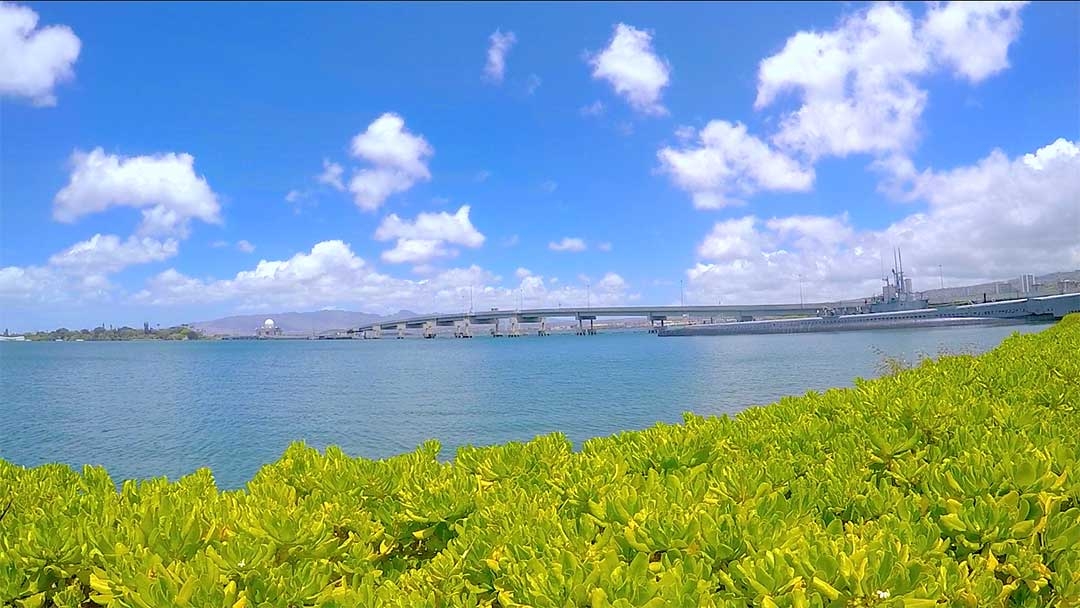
{"points": [[462, 329], [515, 327], [376, 332], [429, 329], [401, 331], [581, 328], [543, 331], [496, 331]]}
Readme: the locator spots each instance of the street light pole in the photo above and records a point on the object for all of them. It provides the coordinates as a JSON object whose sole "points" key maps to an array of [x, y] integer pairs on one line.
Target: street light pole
{"points": [[941, 275], [800, 291], [588, 293], [682, 294]]}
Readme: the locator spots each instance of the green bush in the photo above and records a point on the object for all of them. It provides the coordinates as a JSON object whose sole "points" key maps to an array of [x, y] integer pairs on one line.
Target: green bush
{"points": [[951, 484]]}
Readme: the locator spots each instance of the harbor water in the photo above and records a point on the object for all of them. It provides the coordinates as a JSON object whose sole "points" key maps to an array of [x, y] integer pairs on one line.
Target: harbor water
{"points": [[147, 409]]}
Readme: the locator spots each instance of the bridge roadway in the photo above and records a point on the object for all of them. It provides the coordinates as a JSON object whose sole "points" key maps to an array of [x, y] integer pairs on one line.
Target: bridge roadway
{"points": [[462, 321]]}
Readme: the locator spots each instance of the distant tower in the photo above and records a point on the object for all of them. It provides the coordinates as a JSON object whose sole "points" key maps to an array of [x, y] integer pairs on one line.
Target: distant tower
{"points": [[146, 327]]}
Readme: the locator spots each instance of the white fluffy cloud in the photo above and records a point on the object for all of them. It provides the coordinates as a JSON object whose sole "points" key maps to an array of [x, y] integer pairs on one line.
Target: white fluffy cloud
{"points": [[633, 69], [164, 186], [81, 272], [954, 29], [332, 275], [30, 286], [33, 61], [998, 218], [398, 158], [855, 84], [568, 243], [331, 175], [245, 246], [106, 253], [727, 162], [496, 55], [856, 92], [425, 238]]}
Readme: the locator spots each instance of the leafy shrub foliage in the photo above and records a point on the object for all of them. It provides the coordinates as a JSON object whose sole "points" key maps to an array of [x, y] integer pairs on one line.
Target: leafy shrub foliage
{"points": [[955, 483]]}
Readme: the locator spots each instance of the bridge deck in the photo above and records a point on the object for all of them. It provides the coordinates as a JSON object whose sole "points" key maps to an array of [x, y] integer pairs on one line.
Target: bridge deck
{"points": [[651, 312]]}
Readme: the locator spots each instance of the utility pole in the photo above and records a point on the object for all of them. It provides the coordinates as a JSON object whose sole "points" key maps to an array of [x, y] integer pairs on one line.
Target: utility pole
{"points": [[941, 275]]}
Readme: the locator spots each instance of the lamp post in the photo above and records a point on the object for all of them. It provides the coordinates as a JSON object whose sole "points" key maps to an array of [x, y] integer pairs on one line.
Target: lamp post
{"points": [[800, 290], [682, 294], [941, 275], [588, 294]]}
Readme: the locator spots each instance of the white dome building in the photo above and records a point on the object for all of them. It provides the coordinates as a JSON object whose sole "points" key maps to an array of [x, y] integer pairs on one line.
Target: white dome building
{"points": [[268, 329]]}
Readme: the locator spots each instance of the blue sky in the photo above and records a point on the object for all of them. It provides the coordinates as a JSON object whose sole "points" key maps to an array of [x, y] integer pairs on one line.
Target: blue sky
{"points": [[163, 161]]}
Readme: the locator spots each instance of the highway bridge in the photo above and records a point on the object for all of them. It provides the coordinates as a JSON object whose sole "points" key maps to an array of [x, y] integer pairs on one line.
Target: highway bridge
{"points": [[463, 322]]}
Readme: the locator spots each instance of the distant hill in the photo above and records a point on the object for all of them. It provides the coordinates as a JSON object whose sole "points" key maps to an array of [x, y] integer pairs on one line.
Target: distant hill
{"points": [[293, 322]]}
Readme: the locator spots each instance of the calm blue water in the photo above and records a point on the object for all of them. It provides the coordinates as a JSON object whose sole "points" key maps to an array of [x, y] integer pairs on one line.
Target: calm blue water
{"points": [[146, 409]]}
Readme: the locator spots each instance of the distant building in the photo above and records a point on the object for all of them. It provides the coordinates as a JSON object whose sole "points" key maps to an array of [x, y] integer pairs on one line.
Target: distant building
{"points": [[268, 329], [1027, 283]]}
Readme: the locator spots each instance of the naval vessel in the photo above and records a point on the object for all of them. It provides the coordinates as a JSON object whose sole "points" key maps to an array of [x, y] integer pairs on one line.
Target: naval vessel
{"points": [[897, 307]]}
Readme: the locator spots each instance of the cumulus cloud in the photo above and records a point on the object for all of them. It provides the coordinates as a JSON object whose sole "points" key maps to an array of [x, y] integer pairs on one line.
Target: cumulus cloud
{"points": [[521, 273], [29, 286], [995, 219], [106, 253], [426, 237], [245, 246], [856, 91], [32, 60], [855, 84], [80, 273], [952, 30], [331, 274], [331, 175], [573, 244], [726, 162], [633, 69], [164, 186], [398, 161], [496, 55]]}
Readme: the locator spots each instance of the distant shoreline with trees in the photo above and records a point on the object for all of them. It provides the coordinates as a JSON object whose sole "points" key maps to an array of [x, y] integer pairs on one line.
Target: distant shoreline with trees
{"points": [[117, 334]]}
